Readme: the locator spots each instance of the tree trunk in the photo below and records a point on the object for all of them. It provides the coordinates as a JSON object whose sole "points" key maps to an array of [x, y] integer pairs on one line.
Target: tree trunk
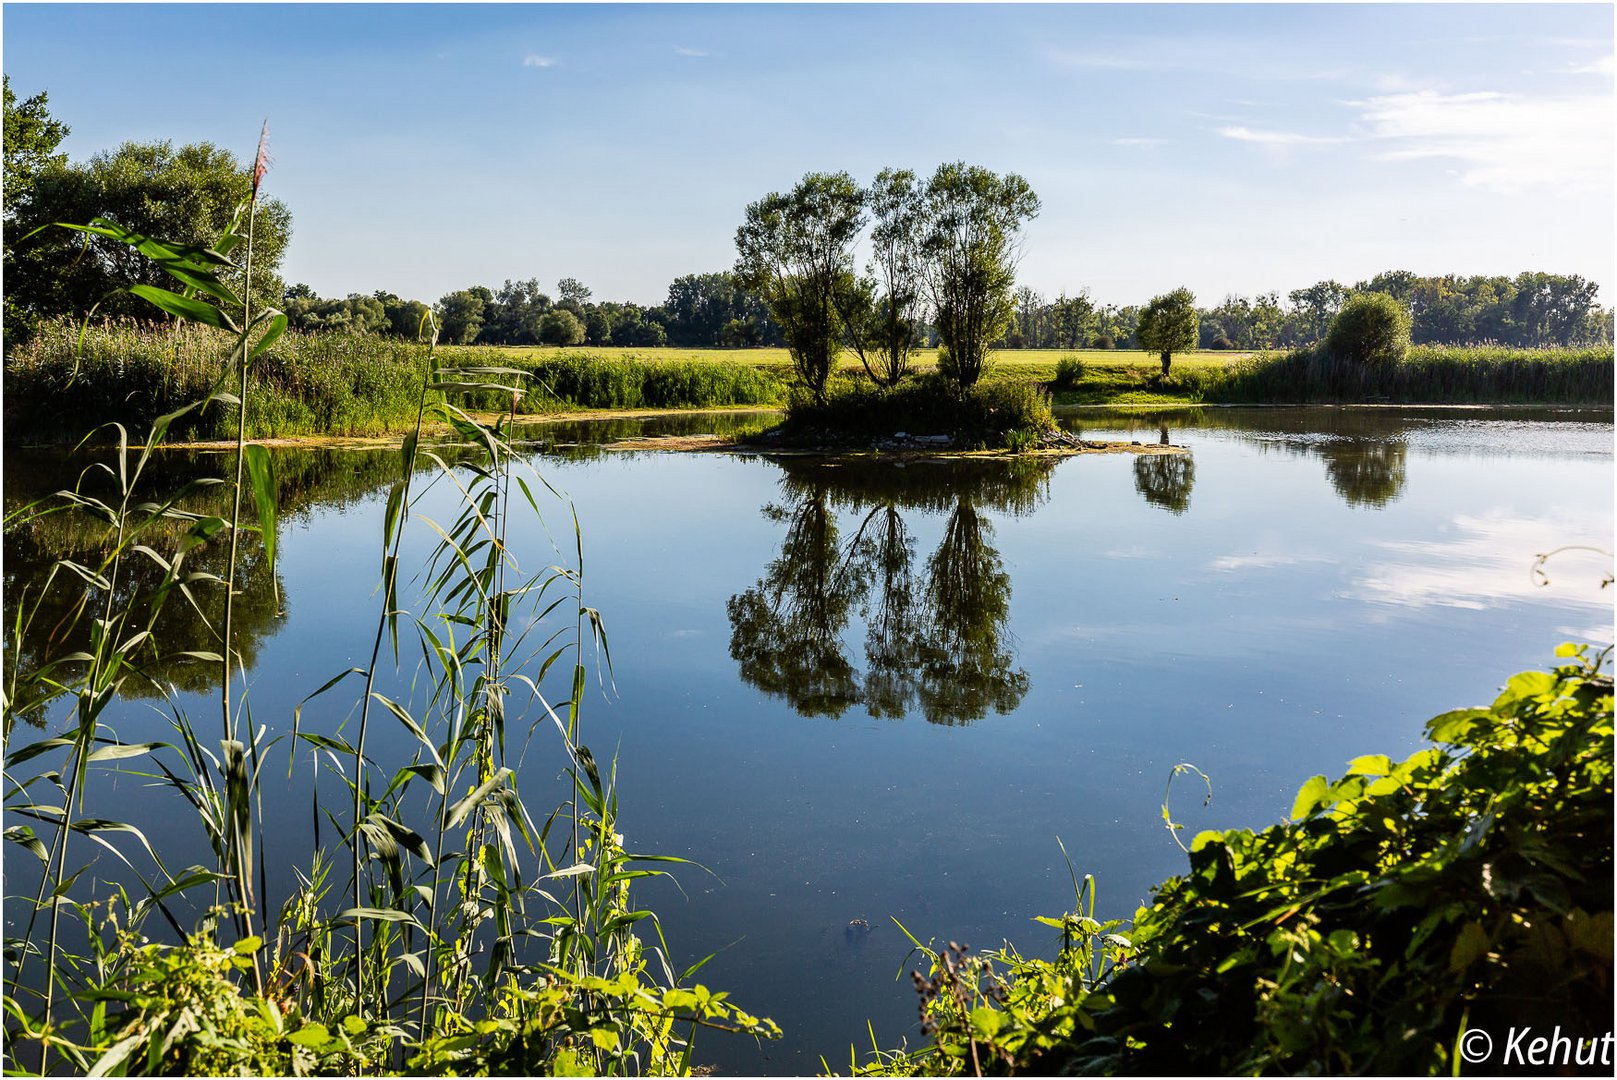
{"points": [[1167, 358]]}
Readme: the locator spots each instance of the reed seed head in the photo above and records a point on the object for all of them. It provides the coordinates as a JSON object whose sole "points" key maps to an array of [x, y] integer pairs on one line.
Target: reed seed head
{"points": [[261, 162]]}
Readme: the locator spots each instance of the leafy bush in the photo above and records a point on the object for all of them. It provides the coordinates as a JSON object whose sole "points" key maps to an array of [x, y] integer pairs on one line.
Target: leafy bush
{"points": [[1466, 887], [1105, 341], [1371, 328], [931, 404], [561, 327], [1069, 372]]}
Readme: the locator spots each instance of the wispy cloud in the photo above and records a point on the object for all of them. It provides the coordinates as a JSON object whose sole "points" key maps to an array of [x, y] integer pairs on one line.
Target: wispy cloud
{"points": [[1111, 61], [1139, 141], [1484, 564], [1261, 561], [534, 60], [1602, 66], [1507, 142], [683, 51], [1279, 138]]}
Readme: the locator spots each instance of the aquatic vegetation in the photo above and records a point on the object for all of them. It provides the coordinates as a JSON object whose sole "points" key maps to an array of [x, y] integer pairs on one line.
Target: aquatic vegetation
{"points": [[1402, 908]]}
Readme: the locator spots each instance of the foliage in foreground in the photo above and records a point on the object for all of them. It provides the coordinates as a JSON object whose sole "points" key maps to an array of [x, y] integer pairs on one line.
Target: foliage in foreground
{"points": [[466, 937], [1466, 887]]}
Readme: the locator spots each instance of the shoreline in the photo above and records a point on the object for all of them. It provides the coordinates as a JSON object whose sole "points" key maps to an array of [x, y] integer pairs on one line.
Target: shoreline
{"points": [[394, 439]]}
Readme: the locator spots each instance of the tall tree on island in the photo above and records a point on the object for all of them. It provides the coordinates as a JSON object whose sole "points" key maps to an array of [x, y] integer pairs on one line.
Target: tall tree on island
{"points": [[888, 307], [796, 250], [974, 219]]}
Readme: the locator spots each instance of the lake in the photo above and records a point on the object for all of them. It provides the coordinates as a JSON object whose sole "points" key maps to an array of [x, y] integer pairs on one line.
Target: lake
{"points": [[871, 691]]}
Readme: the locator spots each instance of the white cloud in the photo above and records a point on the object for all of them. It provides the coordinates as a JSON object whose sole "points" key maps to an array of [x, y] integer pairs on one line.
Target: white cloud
{"points": [[1487, 564], [1603, 66], [1278, 138], [1507, 142], [1142, 142], [1258, 561], [536, 61], [1111, 62], [683, 51]]}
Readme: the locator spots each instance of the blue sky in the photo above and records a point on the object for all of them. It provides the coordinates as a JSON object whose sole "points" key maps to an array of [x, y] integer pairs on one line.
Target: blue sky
{"points": [[1230, 148]]}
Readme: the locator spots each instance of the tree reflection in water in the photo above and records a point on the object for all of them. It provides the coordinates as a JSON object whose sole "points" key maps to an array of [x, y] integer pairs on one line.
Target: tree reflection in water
{"points": [[1365, 473], [786, 631], [935, 641], [1165, 480], [55, 606]]}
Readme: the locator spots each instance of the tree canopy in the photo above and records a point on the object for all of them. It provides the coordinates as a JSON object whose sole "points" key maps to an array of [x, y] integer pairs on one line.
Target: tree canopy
{"points": [[1168, 325], [973, 220], [187, 195], [796, 250]]}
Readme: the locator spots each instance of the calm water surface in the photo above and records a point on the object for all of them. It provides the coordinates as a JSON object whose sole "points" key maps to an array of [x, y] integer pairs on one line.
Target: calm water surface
{"points": [[875, 692]]}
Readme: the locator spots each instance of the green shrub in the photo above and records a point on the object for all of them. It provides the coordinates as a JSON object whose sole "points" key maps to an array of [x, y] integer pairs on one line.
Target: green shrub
{"points": [[928, 405], [561, 327], [1371, 328], [1466, 887], [1069, 372], [1105, 341]]}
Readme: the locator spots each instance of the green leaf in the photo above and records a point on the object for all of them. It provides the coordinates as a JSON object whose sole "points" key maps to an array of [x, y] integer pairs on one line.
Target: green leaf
{"points": [[1469, 947], [310, 1035], [1309, 797], [184, 307], [986, 1022], [22, 834], [1370, 765], [248, 945], [277, 327]]}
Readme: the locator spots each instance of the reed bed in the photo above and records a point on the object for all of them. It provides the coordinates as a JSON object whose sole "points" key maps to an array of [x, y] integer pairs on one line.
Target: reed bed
{"points": [[132, 373], [324, 383], [1428, 374], [581, 380]]}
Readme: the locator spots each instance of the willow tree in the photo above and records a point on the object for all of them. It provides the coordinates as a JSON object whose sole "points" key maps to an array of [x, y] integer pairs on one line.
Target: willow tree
{"points": [[974, 218], [887, 310], [1168, 325], [796, 251]]}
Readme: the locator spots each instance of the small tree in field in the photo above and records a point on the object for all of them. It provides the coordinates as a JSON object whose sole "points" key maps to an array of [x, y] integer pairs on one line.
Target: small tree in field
{"points": [[1168, 325], [1371, 328], [560, 327], [796, 251]]}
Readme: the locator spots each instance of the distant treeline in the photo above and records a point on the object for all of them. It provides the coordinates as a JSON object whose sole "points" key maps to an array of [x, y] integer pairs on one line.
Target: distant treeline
{"points": [[1530, 310]]}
